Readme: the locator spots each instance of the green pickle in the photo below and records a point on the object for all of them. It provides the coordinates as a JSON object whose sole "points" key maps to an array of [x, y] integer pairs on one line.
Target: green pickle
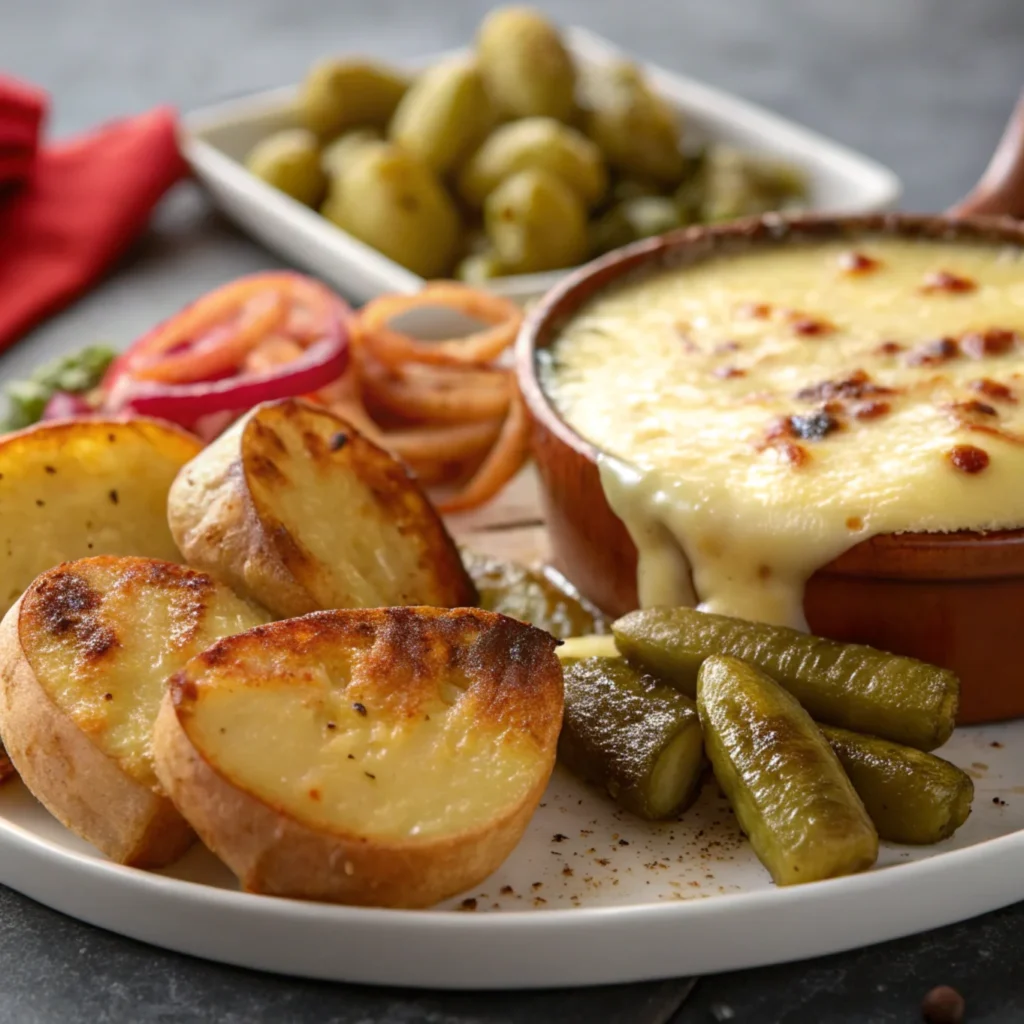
{"points": [[786, 786], [531, 596], [637, 738], [912, 797], [847, 685]]}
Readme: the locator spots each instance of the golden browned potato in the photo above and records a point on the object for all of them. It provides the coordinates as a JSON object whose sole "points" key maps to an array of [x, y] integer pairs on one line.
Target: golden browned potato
{"points": [[525, 64], [290, 162], [538, 143], [444, 116], [298, 511], [393, 202], [341, 94], [88, 487], [84, 656], [385, 757]]}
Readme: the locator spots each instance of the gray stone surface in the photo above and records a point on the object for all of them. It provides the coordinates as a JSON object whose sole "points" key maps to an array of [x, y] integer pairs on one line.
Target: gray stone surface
{"points": [[923, 85]]}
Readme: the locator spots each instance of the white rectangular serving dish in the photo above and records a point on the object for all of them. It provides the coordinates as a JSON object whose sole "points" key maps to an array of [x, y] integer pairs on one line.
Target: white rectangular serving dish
{"points": [[216, 139]]}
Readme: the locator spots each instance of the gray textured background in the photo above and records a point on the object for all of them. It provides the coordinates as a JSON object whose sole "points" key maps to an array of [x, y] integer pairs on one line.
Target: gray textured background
{"points": [[922, 85]]}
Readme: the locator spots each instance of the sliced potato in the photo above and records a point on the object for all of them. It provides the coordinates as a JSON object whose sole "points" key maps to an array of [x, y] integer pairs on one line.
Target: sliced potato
{"points": [[90, 487], [388, 757], [84, 656], [300, 512]]}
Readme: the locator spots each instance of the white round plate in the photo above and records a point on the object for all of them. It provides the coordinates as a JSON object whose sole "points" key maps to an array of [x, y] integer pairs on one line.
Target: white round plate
{"points": [[590, 896]]}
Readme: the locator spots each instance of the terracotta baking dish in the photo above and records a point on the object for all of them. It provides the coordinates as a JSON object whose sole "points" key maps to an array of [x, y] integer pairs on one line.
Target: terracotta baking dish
{"points": [[953, 599]]}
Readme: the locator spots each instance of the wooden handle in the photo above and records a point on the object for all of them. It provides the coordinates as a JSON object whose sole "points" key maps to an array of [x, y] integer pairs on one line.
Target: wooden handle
{"points": [[1000, 192]]}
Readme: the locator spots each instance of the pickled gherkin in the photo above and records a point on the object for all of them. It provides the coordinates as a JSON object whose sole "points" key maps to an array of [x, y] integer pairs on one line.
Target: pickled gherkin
{"points": [[847, 685], [912, 797], [785, 784], [531, 596], [637, 738]]}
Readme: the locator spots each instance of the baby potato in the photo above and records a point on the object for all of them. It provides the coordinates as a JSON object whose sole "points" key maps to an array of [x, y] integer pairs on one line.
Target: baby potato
{"points": [[444, 115], [636, 129], [535, 142], [536, 222], [342, 94], [336, 155], [526, 66], [391, 201], [290, 161]]}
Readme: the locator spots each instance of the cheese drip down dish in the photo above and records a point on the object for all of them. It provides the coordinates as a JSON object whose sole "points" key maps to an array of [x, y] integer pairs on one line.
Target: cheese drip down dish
{"points": [[760, 412]]}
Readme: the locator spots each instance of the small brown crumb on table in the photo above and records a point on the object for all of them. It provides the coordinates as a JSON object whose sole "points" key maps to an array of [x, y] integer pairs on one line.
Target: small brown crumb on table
{"points": [[943, 1005]]}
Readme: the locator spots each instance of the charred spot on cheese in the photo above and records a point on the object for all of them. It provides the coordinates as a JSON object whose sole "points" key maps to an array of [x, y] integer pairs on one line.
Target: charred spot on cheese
{"points": [[946, 281], [869, 410], [993, 389], [338, 441], [728, 372], [889, 348], [814, 426], [972, 407], [933, 353], [993, 342], [857, 264], [857, 384], [968, 458], [811, 327], [755, 310]]}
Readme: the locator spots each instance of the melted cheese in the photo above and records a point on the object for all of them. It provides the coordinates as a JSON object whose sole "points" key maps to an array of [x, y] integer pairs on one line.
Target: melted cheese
{"points": [[686, 380]]}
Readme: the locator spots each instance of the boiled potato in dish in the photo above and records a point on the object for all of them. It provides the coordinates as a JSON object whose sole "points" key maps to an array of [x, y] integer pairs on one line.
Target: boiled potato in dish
{"points": [[290, 161], [408, 748], [337, 155], [525, 64], [536, 222], [298, 511], [539, 143], [390, 200], [444, 116], [88, 487], [84, 656], [635, 128], [342, 94]]}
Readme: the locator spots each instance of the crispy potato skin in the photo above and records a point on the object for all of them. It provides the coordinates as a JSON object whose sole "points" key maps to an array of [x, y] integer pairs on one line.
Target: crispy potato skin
{"points": [[71, 489], [73, 779], [227, 513], [272, 846], [84, 655]]}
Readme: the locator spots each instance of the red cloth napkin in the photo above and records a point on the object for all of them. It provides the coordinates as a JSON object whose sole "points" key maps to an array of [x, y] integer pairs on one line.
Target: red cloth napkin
{"points": [[78, 206]]}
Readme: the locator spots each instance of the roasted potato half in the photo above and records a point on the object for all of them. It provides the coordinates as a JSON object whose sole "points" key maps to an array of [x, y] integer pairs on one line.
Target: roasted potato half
{"points": [[297, 510], [84, 657], [387, 757], [89, 487]]}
